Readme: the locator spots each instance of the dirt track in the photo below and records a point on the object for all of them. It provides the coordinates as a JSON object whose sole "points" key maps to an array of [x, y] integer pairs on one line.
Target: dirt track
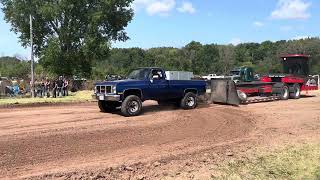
{"points": [[79, 141]]}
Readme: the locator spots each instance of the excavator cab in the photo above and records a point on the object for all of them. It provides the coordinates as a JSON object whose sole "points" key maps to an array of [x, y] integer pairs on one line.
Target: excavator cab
{"points": [[296, 64]]}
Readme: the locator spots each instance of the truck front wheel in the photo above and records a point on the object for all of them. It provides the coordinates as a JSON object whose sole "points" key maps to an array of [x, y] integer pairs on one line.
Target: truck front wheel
{"points": [[107, 107], [131, 106], [189, 101]]}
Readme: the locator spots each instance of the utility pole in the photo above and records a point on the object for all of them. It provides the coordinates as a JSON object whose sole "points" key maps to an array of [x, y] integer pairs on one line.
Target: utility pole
{"points": [[32, 59]]}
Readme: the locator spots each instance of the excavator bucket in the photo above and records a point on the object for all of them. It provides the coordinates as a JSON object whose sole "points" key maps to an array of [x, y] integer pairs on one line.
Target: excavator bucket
{"points": [[225, 92]]}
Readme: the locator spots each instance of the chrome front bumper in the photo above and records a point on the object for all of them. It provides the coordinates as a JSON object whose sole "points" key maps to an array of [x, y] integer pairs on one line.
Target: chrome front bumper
{"points": [[106, 97]]}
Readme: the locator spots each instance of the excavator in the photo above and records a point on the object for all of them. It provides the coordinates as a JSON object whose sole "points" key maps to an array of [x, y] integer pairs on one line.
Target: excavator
{"points": [[242, 87]]}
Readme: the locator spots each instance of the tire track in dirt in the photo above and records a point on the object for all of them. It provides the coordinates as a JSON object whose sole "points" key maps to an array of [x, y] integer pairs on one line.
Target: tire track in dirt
{"points": [[80, 141], [174, 141]]}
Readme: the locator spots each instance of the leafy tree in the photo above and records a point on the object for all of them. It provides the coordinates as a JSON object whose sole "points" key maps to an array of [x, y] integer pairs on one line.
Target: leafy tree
{"points": [[191, 52], [13, 67], [69, 35], [226, 57]]}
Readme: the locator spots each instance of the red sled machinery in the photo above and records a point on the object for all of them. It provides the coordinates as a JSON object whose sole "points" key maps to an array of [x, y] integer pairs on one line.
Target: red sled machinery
{"points": [[242, 87]]}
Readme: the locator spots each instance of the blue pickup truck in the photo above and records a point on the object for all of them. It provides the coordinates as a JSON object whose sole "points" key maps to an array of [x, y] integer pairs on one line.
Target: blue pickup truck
{"points": [[147, 84]]}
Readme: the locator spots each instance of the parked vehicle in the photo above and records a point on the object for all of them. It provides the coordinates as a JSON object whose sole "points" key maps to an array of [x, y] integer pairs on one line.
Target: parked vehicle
{"points": [[213, 76], [147, 84]]}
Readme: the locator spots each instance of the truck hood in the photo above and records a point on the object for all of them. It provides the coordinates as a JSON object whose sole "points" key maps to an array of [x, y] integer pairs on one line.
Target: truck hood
{"points": [[119, 82]]}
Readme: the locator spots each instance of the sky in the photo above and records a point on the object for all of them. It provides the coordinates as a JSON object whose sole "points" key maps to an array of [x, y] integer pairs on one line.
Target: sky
{"points": [[175, 23]]}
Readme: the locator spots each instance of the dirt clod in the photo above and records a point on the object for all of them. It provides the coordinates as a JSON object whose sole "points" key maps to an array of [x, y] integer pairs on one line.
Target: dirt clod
{"points": [[229, 153]]}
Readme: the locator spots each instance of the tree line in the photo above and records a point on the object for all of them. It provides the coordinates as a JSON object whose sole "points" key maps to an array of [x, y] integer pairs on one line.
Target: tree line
{"points": [[209, 58], [201, 59]]}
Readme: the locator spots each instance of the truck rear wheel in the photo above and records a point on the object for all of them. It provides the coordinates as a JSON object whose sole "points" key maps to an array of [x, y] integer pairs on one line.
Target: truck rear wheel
{"points": [[285, 93], [131, 106], [107, 107], [295, 91], [189, 101]]}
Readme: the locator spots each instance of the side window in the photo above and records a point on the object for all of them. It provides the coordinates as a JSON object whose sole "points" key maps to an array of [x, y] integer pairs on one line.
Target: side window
{"points": [[157, 73]]}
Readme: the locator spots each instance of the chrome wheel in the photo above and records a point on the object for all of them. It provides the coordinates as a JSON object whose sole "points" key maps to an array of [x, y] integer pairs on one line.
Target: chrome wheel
{"points": [[191, 101], [298, 92], [285, 94], [133, 106]]}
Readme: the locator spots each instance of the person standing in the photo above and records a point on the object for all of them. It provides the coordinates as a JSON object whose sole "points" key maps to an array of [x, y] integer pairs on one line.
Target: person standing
{"points": [[54, 89], [60, 86], [42, 87], [15, 87], [37, 85], [22, 86], [47, 84], [65, 87]]}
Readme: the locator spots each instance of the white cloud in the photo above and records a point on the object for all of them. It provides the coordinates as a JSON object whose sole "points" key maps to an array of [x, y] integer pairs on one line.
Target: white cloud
{"points": [[155, 7], [187, 7], [235, 41], [291, 9], [258, 24]]}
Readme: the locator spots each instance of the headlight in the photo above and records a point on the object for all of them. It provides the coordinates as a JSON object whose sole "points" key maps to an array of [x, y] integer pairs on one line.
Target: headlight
{"points": [[114, 89]]}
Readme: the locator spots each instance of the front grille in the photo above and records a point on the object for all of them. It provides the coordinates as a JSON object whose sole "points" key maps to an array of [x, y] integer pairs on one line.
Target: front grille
{"points": [[104, 89]]}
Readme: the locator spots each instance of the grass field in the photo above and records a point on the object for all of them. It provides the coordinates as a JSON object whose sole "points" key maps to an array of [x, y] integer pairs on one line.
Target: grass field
{"points": [[81, 96], [294, 162]]}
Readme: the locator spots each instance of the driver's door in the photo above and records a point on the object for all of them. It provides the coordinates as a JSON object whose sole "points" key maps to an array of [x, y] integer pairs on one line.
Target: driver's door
{"points": [[158, 85]]}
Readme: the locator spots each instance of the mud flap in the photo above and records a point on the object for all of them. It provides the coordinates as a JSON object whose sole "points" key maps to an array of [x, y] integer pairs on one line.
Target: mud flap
{"points": [[224, 91]]}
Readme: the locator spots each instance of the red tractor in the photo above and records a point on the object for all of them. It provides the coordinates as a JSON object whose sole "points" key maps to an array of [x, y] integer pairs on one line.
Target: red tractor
{"points": [[289, 84]]}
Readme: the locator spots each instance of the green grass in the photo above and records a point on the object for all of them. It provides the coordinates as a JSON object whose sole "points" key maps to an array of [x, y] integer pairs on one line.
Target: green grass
{"points": [[294, 162], [81, 96]]}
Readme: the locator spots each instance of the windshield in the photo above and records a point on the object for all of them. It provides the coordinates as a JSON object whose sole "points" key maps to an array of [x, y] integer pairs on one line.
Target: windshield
{"points": [[139, 74], [235, 73]]}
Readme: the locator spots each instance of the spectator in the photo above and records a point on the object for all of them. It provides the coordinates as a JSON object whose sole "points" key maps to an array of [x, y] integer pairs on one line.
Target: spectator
{"points": [[54, 89], [38, 88], [60, 86], [47, 84], [42, 86], [22, 86], [9, 91], [65, 87], [16, 89]]}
